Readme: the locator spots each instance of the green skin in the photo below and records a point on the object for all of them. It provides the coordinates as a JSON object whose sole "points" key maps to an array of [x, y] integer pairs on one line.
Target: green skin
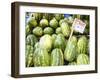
{"points": [[53, 23], [48, 30], [82, 59], [54, 37], [60, 42], [38, 31], [65, 29], [28, 30], [58, 30], [36, 46], [46, 42], [61, 21], [32, 23], [57, 57], [44, 23], [30, 62], [31, 40], [29, 56], [82, 45], [41, 57], [70, 51], [58, 16]]}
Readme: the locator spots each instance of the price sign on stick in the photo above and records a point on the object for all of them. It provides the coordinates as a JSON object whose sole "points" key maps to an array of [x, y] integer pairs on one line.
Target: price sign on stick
{"points": [[78, 25]]}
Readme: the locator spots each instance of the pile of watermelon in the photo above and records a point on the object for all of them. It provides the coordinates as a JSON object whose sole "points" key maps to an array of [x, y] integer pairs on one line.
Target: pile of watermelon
{"points": [[48, 44]]}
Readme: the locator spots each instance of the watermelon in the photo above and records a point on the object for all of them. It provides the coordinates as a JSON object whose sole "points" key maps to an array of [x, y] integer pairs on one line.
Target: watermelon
{"points": [[82, 59], [41, 57], [46, 42], [82, 45], [58, 30], [48, 30], [65, 29], [38, 31], [44, 23], [57, 57], [29, 56], [31, 40], [53, 23], [71, 50], [60, 42]]}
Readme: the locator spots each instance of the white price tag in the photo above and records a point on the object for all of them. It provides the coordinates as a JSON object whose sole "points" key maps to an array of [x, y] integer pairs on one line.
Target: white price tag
{"points": [[79, 25]]}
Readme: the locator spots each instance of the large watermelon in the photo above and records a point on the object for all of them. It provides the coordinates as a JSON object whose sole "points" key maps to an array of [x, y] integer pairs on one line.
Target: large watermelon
{"points": [[82, 59], [32, 22], [60, 42], [71, 50], [46, 42], [82, 45], [58, 30], [41, 57], [31, 39], [53, 23], [38, 31], [44, 23], [57, 57], [65, 29], [48, 30], [29, 56]]}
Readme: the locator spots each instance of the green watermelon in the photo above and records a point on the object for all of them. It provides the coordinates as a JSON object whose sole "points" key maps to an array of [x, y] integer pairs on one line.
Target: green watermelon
{"points": [[48, 30], [65, 29], [44, 23], [82, 45], [32, 23], [31, 40], [38, 31], [53, 23], [57, 57], [82, 59], [41, 57], [71, 49], [58, 30], [29, 56], [60, 42], [46, 42]]}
